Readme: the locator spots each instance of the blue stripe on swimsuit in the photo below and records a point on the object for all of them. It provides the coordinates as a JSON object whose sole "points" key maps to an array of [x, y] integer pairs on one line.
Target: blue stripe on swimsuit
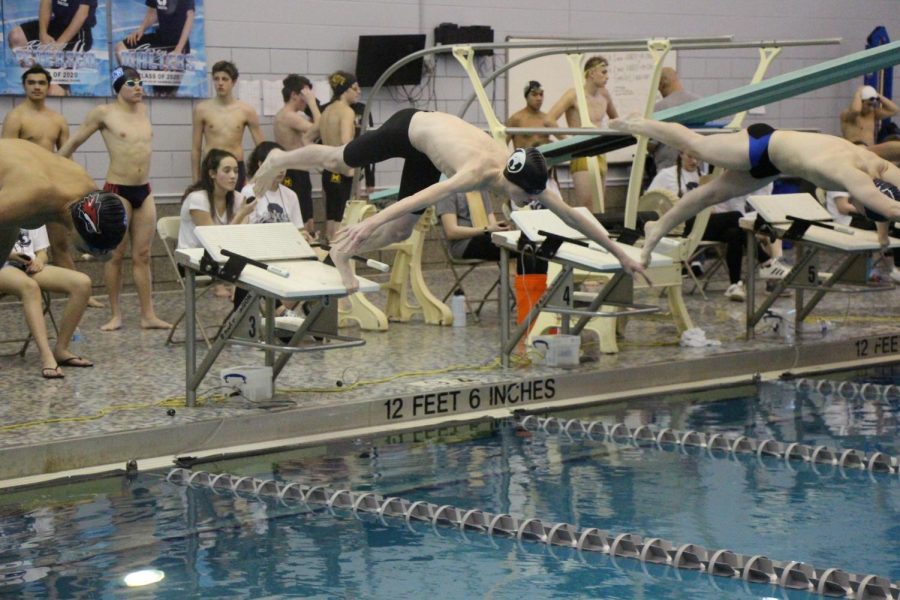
{"points": [[761, 166]]}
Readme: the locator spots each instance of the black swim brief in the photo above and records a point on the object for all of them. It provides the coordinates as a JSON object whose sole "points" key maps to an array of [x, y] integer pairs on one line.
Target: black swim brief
{"points": [[337, 189], [135, 194], [761, 166], [391, 140]]}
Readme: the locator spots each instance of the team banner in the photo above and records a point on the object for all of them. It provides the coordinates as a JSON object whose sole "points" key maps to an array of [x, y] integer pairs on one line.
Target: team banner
{"points": [[164, 41], [69, 38]]}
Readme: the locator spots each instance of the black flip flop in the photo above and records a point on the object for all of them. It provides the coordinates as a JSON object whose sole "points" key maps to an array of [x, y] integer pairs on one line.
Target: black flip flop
{"points": [[70, 362]]}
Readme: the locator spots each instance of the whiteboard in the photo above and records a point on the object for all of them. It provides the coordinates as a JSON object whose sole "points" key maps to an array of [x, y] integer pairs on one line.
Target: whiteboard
{"points": [[629, 81]]}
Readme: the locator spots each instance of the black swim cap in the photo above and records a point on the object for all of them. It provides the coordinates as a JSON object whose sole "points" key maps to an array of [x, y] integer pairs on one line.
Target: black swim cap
{"points": [[122, 74], [527, 169], [889, 190], [340, 82], [100, 219]]}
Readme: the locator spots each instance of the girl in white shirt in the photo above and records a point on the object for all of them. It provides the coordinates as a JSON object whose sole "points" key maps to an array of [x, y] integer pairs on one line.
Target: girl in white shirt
{"points": [[280, 203], [24, 274], [212, 200]]}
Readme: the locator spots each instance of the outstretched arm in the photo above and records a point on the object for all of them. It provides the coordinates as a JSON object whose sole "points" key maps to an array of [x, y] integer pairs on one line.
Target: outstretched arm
{"points": [[591, 228]]}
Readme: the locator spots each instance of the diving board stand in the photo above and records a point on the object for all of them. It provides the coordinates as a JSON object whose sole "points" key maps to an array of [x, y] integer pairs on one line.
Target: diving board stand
{"points": [[406, 275], [299, 276], [559, 296], [800, 219]]}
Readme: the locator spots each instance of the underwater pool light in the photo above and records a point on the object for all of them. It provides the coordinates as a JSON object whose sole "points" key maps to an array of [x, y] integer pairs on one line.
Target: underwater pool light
{"points": [[144, 577]]}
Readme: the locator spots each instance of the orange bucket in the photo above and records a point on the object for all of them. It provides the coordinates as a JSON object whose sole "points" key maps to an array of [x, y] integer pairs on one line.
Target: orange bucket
{"points": [[529, 289]]}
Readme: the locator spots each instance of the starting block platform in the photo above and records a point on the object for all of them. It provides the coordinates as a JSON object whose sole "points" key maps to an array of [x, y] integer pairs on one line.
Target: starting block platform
{"points": [[272, 262], [800, 218]]}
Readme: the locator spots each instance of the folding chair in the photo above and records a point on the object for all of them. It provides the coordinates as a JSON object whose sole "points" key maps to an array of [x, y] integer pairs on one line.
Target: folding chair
{"points": [[462, 267], [26, 341], [167, 228]]}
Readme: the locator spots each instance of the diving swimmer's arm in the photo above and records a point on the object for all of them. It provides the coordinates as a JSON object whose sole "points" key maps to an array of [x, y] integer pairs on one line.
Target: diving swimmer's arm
{"points": [[424, 198], [591, 228]]}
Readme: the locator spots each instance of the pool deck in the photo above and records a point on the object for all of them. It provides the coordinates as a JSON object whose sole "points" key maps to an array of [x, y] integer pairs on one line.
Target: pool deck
{"points": [[412, 376]]}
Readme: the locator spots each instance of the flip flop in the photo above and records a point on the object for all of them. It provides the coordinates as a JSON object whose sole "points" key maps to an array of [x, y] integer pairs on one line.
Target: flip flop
{"points": [[72, 362], [53, 373]]}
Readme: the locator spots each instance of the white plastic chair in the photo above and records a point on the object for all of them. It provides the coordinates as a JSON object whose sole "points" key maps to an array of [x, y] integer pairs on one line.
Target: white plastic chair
{"points": [[167, 228]]}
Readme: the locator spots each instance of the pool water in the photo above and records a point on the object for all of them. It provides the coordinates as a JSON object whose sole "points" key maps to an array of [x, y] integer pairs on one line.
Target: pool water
{"points": [[81, 539]]}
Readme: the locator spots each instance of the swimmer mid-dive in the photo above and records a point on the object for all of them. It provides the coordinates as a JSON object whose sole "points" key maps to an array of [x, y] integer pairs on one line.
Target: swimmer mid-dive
{"points": [[432, 144], [38, 188], [757, 155]]}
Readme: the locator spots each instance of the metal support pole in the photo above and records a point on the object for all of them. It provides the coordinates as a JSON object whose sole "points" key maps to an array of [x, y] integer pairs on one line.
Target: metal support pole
{"points": [[190, 332]]}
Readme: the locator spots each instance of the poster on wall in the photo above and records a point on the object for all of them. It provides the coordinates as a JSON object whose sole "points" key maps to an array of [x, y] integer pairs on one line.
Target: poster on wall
{"points": [[164, 41], [69, 38]]}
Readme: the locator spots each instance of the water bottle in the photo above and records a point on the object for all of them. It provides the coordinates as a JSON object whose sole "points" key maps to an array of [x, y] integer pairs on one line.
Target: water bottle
{"points": [[77, 336], [458, 308]]}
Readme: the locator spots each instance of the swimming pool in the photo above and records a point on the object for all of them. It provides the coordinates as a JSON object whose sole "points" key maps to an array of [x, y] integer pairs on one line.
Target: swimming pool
{"points": [[80, 540]]}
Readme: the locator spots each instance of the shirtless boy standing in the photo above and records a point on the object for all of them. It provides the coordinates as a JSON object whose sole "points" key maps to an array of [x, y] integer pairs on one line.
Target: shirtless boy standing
{"points": [[867, 108], [220, 122], [127, 133], [292, 131], [32, 120], [337, 129], [600, 105], [531, 116]]}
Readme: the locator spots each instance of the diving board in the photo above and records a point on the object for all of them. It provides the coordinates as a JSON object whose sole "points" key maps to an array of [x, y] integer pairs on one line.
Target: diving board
{"points": [[723, 104], [802, 220]]}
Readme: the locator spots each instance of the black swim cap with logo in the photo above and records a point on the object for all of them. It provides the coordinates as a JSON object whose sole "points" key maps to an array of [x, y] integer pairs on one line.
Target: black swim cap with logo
{"points": [[100, 219], [889, 190], [527, 169], [122, 74]]}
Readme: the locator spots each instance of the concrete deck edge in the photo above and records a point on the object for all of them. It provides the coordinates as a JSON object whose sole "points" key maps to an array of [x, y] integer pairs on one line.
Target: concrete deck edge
{"points": [[26, 465]]}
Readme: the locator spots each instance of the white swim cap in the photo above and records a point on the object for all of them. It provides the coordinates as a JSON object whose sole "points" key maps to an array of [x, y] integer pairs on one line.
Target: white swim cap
{"points": [[868, 93]]}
